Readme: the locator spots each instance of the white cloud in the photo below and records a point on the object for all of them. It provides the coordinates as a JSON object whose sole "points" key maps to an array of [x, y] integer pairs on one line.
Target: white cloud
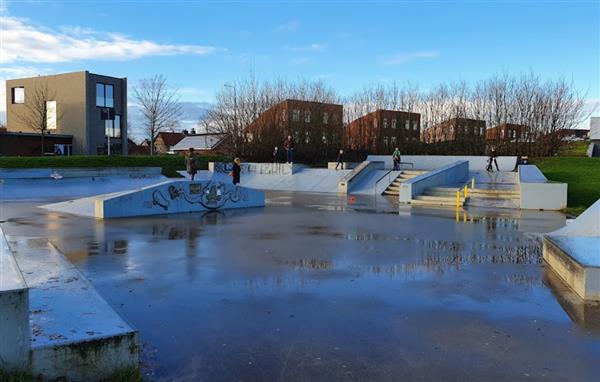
{"points": [[402, 58], [290, 26], [308, 48], [22, 41]]}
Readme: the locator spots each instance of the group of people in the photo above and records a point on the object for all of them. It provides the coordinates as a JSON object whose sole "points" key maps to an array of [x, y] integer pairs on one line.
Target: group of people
{"points": [[191, 165]]}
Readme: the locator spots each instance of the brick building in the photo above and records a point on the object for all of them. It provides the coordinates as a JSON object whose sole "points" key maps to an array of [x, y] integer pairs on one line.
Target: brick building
{"points": [[315, 126], [508, 132], [456, 129], [165, 140], [381, 131], [75, 102], [30, 144]]}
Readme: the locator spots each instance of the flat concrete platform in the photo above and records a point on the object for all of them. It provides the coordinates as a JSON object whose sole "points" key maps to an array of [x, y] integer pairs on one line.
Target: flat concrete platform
{"points": [[74, 331]]}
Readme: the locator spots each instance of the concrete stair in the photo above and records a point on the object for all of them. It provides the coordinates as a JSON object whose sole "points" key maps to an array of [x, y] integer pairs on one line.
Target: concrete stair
{"points": [[495, 193], [439, 197], [394, 188]]}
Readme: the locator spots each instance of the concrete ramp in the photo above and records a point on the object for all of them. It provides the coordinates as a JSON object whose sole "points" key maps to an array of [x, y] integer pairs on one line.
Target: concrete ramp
{"points": [[573, 253], [169, 197]]}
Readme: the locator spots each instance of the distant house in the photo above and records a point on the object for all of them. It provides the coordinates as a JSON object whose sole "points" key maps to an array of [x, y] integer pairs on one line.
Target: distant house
{"points": [[509, 132], [166, 140], [135, 149], [455, 129], [203, 144], [382, 130], [573, 134], [16, 143]]}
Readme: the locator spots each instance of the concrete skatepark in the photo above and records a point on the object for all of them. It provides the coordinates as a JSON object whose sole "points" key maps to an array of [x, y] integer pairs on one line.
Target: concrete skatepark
{"points": [[306, 269]]}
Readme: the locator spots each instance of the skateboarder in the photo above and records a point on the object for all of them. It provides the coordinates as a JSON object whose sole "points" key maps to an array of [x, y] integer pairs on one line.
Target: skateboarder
{"points": [[289, 146], [191, 163]]}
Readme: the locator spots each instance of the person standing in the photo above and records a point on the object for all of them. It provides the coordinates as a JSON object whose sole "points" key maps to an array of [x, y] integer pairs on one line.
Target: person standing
{"points": [[340, 160], [396, 158], [275, 154], [236, 171], [191, 164], [492, 160], [289, 146]]}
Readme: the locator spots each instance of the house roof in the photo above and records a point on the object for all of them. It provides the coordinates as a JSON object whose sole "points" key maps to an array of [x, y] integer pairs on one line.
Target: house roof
{"points": [[199, 142], [170, 138]]}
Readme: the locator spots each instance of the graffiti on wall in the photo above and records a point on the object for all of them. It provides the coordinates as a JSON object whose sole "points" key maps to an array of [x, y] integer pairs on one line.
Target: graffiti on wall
{"points": [[211, 195]]}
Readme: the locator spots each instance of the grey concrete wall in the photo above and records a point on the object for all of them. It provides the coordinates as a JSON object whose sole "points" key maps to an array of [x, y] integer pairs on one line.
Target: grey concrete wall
{"points": [[256, 168], [14, 312], [44, 173], [537, 193], [360, 172], [432, 162], [586, 224], [453, 173]]}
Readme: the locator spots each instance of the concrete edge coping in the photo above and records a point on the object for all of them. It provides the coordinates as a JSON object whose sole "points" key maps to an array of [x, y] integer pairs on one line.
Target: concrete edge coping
{"points": [[75, 172], [11, 277]]}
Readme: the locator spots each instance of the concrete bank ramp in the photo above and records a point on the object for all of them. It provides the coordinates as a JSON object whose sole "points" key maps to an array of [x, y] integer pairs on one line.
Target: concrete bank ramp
{"points": [[72, 331], [573, 253], [72, 182], [171, 197]]}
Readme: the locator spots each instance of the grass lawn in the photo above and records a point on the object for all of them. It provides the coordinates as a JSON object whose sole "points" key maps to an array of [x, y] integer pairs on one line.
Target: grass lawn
{"points": [[574, 149], [581, 173], [170, 164]]}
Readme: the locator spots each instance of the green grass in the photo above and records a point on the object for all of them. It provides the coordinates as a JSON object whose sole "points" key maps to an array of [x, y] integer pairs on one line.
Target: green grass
{"points": [[574, 149], [170, 164], [582, 175]]}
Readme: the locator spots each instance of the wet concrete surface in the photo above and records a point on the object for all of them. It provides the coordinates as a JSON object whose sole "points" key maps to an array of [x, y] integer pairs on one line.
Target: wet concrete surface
{"points": [[325, 288]]}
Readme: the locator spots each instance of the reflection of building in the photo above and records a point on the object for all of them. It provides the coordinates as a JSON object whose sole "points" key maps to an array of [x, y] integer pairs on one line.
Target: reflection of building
{"points": [[509, 132], [203, 144], [382, 130], [74, 103], [455, 129]]}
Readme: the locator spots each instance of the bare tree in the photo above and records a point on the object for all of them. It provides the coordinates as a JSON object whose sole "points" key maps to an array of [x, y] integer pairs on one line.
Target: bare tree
{"points": [[35, 113], [161, 106]]}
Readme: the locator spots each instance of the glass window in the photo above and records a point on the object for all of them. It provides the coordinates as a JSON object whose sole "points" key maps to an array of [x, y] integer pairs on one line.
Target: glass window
{"points": [[51, 115], [334, 117], [386, 142], [307, 116], [375, 123], [18, 94], [407, 125], [284, 115], [393, 123], [296, 115], [325, 118], [481, 131], [415, 125], [393, 141], [385, 123], [104, 95], [113, 128]]}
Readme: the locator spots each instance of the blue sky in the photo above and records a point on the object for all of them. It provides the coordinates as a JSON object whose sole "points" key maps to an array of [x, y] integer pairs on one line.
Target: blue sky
{"points": [[201, 45]]}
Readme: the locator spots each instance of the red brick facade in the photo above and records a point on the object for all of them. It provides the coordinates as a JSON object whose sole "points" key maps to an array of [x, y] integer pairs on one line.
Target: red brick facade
{"points": [[455, 129], [381, 131], [507, 132]]}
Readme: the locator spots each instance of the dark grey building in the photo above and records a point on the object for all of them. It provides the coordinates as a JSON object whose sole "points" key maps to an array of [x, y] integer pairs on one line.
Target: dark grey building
{"points": [[74, 103]]}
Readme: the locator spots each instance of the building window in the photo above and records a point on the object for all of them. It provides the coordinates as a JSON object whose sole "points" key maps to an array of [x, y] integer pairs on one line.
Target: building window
{"points": [[375, 123], [514, 134], [407, 125], [393, 123], [325, 118], [481, 131], [307, 116], [306, 137], [284, 115], [334, 118], [385, 123], [104, 95], [18, 94], [386, 142], [51, 115], [296, 115], [394, 141], [112, 129], [415, 125]]}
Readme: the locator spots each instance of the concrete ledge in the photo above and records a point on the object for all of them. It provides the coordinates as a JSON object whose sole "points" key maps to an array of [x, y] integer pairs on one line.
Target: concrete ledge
{"points": [[346, 165], [362, 170], [453, 173], [14, 311], [257, 168], [432, 162], [582, 279], [537, 193]]}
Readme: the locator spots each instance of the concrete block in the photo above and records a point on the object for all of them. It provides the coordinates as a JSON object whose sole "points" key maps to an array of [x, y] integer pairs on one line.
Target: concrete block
{"points": [[346, 165], [351, 179], [257, 168], [537, 193], [450, 174], [432, 162], [14, 312]]}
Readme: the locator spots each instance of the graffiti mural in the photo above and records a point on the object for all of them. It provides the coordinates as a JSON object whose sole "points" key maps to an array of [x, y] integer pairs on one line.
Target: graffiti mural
{"points": [[211, 195]]}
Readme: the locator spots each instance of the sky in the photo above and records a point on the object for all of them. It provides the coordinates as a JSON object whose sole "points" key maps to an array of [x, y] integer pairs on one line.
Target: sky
{"points": [[202, 45]]}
